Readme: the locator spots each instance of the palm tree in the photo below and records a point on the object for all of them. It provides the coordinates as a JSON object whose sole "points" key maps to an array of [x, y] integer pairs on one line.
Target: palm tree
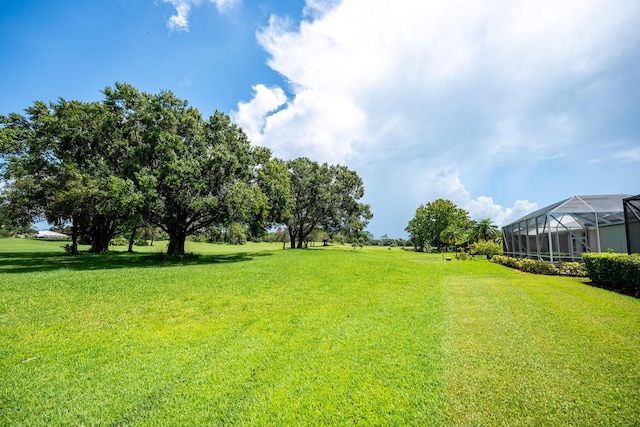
{"points": [[452, 235], [485, 230]]}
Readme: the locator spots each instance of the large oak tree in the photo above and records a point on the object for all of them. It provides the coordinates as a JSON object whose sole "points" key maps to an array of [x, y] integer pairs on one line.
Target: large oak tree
{"points": [[137, 159], [58, 166], [194, 173], [326, 197]]}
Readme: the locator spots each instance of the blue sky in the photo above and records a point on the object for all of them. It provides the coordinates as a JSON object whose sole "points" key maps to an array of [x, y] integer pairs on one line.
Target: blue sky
{"points": [[502, 107]]}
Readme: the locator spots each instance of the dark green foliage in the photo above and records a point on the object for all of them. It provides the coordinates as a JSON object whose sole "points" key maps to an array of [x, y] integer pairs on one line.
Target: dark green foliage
{"points": [[138, 160], [145, 161], [484, 230], [194, 173], [619, 271], [452, 236], [431, 220], [275, 182], [324, 196], [62, 164]]}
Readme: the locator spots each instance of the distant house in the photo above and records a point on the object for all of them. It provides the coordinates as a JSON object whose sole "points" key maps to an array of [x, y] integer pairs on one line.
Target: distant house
{"points": [[48, 234], [565, 230]]}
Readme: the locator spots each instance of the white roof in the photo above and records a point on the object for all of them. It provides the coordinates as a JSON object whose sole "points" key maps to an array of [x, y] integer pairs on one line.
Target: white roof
{"points": [[609, 208], [48, 234]]}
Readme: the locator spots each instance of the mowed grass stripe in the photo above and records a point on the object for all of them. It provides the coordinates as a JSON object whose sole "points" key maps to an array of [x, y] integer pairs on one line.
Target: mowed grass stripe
{"points": [[291, 337], [317, 337], [540, 350]]}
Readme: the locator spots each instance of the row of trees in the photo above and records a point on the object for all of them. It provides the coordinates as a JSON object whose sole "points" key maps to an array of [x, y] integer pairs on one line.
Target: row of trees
{"points": [[137, 159], [442, 223]]}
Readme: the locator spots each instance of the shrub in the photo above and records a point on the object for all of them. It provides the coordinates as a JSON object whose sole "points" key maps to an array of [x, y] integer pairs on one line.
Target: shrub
{"points": [[528, 265], [572, 269], [141, 242], [620, 271], [537, 266], [487, 248], [506, 261], [119, 241]]}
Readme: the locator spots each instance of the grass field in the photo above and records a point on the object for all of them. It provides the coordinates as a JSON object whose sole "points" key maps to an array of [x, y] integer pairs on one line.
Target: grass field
{"points": [[254, 335]]}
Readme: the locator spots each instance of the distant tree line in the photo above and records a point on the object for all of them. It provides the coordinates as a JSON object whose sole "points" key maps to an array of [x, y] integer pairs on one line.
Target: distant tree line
{"points": [[137, 160], [441, 224]]}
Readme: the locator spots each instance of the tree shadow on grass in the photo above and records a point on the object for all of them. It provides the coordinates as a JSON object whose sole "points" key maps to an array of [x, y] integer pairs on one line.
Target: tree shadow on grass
{"points": [[632, 292], [29, 262]]}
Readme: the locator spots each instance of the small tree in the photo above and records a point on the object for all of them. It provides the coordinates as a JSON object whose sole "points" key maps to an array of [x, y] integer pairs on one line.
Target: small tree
{"points": [[484, 230], [150, 233], [432, 219], [281, 235], [452, 236]]}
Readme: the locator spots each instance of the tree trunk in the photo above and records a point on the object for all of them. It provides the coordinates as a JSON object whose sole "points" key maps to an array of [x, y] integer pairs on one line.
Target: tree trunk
{"points": [[102, 232], [176, 244], [292, 237], [74, 238], [132, 239], [302, 236], [99, 245]]}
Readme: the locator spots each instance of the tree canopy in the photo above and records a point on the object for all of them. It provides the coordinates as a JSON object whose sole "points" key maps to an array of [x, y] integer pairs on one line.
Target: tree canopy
{"points": [[137, 159], [324, 196], [431, 220], [484, 230], [441, 222]]}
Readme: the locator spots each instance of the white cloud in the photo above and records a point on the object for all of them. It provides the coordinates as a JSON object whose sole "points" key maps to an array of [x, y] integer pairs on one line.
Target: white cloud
{"points": [[630, 155], [445, 183], [493, 64], [317, 125], [481, 86], [619, 152], [180, 21], [318, 8], [484, 207], [254, 114]]}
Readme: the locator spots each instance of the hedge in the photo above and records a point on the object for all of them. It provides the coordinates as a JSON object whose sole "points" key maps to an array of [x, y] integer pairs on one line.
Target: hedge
{"points": [[541, 267], [619, 271]]}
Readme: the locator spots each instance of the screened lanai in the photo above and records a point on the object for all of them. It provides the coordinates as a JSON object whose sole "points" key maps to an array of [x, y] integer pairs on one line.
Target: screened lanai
{"points": [[632, 218], [564, 230]]}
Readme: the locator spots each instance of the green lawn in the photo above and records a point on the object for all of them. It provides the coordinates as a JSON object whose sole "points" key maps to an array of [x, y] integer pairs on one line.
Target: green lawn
{"points": [[254, 335]]}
